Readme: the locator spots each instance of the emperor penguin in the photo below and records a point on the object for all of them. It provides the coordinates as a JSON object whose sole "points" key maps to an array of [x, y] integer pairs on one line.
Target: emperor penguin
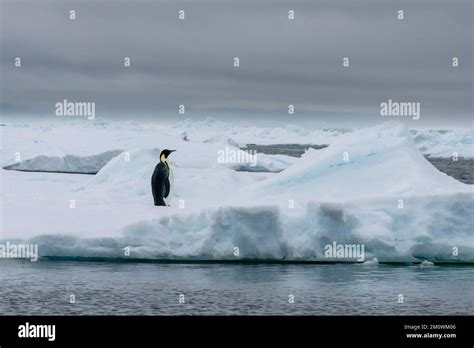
{"points": [[160, 180]]}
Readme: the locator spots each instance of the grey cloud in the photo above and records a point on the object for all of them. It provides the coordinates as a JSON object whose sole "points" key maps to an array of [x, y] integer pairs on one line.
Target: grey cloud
{"points": [[282, 62]]}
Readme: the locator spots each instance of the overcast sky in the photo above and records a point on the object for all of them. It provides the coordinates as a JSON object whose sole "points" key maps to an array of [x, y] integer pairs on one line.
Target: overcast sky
{"points": [[282, 61]]}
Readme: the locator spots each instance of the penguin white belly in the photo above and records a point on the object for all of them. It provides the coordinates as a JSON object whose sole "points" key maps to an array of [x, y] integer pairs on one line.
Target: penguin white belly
{"points": [[171, 179]]}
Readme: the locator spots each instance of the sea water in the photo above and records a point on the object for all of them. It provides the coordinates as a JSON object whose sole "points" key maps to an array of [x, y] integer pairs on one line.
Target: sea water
{"points": [[115, 288]]}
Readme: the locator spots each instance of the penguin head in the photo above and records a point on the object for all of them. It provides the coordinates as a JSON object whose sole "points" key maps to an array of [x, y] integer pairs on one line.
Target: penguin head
{"points": [[164, 154]]}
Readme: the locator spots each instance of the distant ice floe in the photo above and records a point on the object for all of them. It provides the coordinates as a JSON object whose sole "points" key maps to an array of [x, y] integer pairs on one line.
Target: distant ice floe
{"points": [[444, 143], [373, 262], [435, 143], [212, 130], [426, 263], [66, 164]]}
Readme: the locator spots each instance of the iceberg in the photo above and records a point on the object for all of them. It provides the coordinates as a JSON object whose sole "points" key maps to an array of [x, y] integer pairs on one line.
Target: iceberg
{"points": [[371, 187]]}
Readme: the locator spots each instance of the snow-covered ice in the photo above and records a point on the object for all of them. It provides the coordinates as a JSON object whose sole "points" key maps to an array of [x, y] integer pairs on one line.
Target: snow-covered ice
{"points": [[370, 186]]}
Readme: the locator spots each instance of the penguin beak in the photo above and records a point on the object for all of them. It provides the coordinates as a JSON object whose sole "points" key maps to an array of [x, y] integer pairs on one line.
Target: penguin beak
{"points": [[172, 151]]}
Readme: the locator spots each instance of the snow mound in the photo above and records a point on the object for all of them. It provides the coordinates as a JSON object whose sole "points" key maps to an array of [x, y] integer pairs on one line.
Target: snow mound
{"points": [[66, 164], [371, 162], [200, 181], [130, 175]]}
